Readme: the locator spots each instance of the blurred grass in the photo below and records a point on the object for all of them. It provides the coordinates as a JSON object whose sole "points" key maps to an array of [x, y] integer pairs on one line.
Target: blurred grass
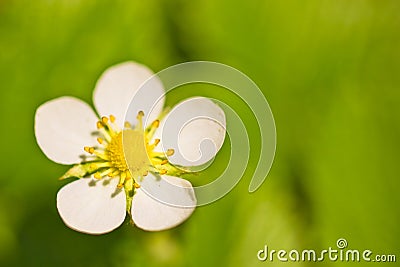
{"points": [[329, 70]]}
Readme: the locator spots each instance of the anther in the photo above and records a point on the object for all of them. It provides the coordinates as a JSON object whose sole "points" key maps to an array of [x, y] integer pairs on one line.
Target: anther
{"points": [[163, 172], [104, 120], [89, 149], [99, 125], [140, 114], [127, 125], [112, 118], [165, 161], [155, 124], [100, 140], [136, 185], [170, 152], [97, 175]]}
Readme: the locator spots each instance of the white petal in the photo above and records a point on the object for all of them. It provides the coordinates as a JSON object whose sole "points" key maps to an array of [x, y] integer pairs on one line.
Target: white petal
{"points": [[195, 129], [92, 206], [118, 88], [162, 203], [63, 126]]}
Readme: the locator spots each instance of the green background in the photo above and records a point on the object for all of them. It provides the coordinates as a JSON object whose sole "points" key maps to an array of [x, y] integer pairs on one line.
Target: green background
{"points": [[329, 69]]}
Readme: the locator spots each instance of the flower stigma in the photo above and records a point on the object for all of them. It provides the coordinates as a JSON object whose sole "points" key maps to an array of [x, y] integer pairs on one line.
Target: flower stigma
{"points": [[127, 155]]}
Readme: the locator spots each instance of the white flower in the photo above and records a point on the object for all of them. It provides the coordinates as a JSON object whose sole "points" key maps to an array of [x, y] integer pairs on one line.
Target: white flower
{"points": [[112, 182]]}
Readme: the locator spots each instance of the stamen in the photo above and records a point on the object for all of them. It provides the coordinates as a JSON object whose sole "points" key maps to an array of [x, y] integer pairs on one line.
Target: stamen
{"points": [[98, 175], [158, 161], [113, 126], [139, 117], [109, 127], [154, 125], [113, 174], [136, 185], [100, 140], [121, 180], [106, 135], [100, 155], [156, 142], [98, 165]]}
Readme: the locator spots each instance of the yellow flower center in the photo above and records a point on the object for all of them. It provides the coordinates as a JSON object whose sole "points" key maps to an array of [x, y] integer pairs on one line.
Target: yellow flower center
{"points": [[127, 153], [116, 153]]}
